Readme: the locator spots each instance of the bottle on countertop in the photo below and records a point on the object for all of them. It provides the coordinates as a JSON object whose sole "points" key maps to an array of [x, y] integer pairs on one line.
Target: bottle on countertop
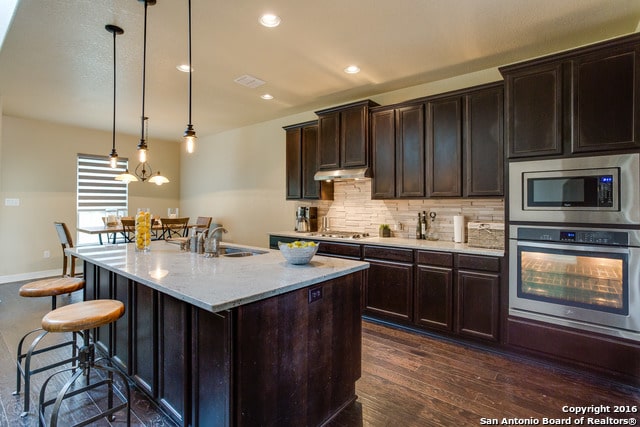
{"points": [[423, 225], [419, 228]]}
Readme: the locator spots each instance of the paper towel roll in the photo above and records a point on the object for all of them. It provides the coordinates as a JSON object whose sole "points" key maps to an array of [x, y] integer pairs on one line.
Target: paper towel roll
{"points": [[458, 229]]}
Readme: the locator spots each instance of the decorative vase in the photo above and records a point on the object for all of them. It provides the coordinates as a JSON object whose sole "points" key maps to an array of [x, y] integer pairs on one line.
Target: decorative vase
{"points": [[143, 230]]}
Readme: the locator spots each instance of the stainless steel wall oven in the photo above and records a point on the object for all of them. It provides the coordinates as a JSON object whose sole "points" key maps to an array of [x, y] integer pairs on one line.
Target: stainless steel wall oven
{"points": [[584, 278]]}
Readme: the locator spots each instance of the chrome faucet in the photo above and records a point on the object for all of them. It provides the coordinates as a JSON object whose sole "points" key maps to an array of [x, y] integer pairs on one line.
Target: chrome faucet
{"points": [[212, 243]]}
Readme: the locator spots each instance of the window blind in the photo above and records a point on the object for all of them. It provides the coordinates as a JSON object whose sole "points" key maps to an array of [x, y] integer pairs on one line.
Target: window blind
{"points": [[97, 189]]}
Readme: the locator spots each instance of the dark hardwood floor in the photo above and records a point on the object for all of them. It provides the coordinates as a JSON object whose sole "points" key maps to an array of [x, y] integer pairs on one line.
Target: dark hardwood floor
{"points": [[407, 380]]}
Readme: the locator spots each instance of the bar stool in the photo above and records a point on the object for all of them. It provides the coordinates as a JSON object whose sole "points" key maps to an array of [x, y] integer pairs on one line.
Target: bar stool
{"points": [[43, 288], [81, 317]]}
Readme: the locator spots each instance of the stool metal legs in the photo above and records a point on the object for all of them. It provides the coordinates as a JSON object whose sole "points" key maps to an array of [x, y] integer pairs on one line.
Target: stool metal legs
{"points": [[26, 371], [86, 361]]}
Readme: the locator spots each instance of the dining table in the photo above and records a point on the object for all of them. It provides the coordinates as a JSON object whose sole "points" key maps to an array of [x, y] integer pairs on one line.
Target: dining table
{"points": [[114, 230]]}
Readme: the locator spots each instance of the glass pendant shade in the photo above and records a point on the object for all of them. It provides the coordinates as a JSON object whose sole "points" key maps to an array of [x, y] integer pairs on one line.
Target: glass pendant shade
{"points": [[113, 159], [126, 177], [142, 155], [158, 179]]}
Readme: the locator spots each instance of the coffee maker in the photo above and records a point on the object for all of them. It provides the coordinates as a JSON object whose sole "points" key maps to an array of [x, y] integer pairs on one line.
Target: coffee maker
{"points": [[306, 219]]}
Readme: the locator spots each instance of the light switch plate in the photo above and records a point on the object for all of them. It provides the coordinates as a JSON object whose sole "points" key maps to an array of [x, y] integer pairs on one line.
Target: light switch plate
{"points": [[12, 202]]}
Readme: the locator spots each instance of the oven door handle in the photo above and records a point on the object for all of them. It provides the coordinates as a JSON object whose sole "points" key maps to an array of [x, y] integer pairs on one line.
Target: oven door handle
{"points": [[581, 248]]}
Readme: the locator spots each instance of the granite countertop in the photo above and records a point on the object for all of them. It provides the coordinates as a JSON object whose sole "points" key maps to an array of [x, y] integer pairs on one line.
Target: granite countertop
{"points": [[214, 284], [397, 242]]}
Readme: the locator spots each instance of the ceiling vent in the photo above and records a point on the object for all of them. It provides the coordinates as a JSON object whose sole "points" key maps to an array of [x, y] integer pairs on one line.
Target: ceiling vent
{"points": [[249, 81]]}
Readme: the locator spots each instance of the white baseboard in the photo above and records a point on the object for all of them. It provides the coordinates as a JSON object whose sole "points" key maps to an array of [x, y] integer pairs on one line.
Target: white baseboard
{"points": [[30, 276]]}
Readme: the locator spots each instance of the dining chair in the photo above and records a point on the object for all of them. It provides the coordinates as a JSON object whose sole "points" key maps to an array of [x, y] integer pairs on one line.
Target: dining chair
{"points": [[174, 227], [66, 242], [128, 229], [202, 223]]}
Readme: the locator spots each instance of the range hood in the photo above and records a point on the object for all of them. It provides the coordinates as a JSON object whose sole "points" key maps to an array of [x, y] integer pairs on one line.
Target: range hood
{"points": [[342, 174]]}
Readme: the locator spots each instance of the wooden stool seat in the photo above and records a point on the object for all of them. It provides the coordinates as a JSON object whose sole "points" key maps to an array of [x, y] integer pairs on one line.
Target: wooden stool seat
{"points": [[83, 315], [52, 287]]}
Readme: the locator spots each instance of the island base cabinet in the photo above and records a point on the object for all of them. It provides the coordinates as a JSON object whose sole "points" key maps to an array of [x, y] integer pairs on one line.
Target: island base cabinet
{"points": [[298, 355], [288, 360]]}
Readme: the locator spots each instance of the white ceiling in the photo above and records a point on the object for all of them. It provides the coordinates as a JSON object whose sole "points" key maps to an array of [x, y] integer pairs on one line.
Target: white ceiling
{"points": [[56, 61]]}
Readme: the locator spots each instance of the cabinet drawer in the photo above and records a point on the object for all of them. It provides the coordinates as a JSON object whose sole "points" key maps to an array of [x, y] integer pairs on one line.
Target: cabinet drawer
{"points": [[388, 254], [478, 262], [442, 259], [339, 249]]}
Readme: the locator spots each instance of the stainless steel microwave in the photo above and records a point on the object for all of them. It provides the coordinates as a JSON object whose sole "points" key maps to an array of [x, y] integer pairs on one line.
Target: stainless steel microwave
{"points": [[591, 190]]}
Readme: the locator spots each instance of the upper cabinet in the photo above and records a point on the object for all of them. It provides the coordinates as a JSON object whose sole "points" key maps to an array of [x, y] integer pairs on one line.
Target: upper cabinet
{"points": [[444, 147], [449, 145], [583, 100], [302, 163], [484, 142], [397, 144], [343, 136]]}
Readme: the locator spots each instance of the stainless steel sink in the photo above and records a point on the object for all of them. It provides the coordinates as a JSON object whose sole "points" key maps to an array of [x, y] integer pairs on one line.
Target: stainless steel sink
{"points": [[236, 252]]}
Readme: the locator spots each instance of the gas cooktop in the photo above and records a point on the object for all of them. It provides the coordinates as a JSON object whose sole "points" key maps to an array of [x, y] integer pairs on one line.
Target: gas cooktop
{"points": [[341, 234]]}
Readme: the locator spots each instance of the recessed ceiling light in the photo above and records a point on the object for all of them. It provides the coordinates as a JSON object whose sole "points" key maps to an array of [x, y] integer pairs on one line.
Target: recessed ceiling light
{"points": [[352, 69], [269, 20], [184, 68], [267, 96]]}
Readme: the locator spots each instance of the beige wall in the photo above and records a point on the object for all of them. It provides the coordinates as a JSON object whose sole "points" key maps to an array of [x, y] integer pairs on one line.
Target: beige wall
{"points": [[238, 177], [38, 166]]}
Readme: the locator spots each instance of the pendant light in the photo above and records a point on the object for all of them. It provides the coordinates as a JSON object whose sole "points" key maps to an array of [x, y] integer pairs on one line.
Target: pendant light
{"points": [[189, 133], [142, 145], [143, 171], [113, 157]]}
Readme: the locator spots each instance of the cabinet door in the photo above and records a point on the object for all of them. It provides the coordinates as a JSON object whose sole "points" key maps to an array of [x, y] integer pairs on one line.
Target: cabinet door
{"points": [[121, 331], [294, 163], [102, 335], [444, 148], [434, 297], [389, 291], [310, 187], [410, 180], [144, 331], [477, 304], [329, 141], [174, 358], [534, 111], [383, 143], [354, 151], [606, 101], [484, 143]]}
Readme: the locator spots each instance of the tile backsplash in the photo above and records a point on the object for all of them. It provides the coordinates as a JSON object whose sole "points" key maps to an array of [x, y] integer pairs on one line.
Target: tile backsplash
{"points": [[353, 210]]}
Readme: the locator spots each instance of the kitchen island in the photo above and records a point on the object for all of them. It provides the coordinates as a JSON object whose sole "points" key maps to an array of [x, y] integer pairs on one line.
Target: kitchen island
{"points": [[232, 340]]}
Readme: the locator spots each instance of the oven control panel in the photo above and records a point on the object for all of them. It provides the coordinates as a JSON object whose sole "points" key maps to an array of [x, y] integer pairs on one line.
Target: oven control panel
{"points": [[592, 237]]}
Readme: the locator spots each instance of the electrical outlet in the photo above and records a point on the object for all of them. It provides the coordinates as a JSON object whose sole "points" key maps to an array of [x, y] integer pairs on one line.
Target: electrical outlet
{"points": [[12, 202], [315, 294], [46, 254]]}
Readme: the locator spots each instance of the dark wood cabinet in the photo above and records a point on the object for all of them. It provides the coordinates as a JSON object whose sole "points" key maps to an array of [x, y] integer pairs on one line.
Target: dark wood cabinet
{"points": [[343, 136], [578, 101], [434, 290], [484, 142], [534, 111], [605, 100], [444, 147], [383, 150], [397, 140], [458, 293], [389, 289], [301, 153], [293, 153], [284, 360], [477, 296]]}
